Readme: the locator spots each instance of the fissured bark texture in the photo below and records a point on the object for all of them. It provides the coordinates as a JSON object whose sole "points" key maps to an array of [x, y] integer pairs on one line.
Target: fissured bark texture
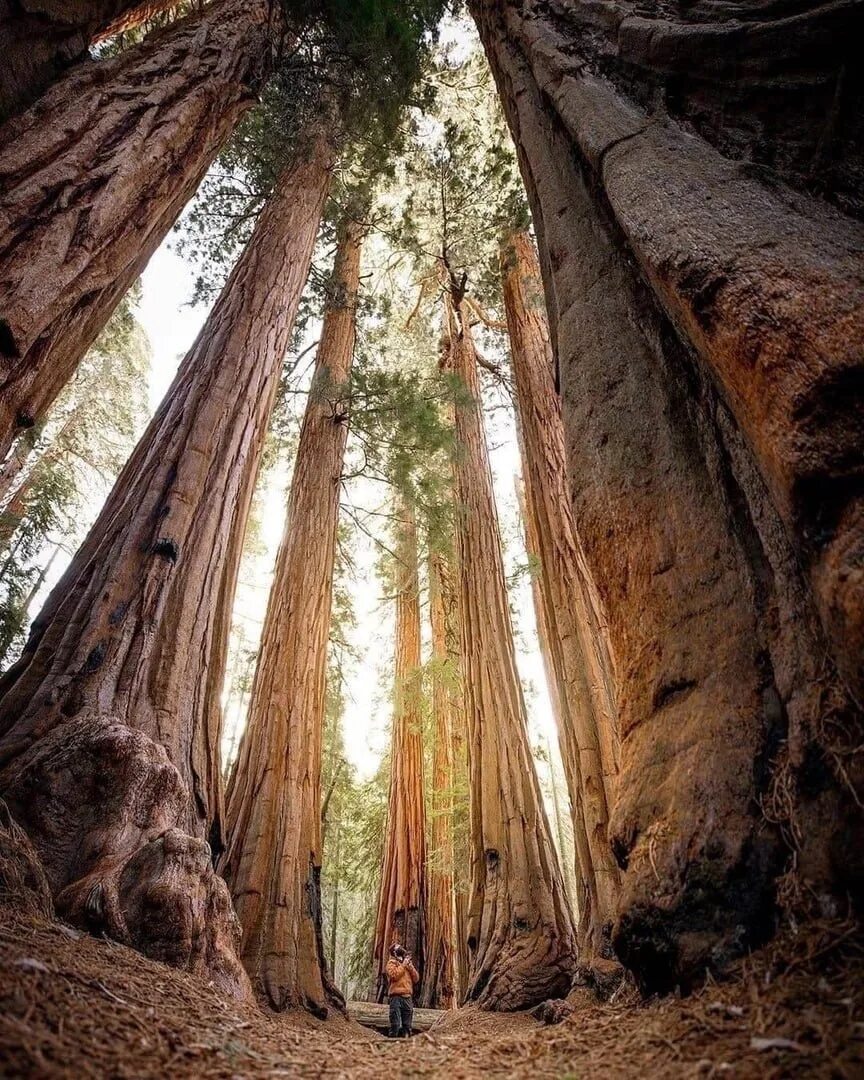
{"points": [[402, 894], [136, 630], [569, 615], [439, 983], [520, 933], [273, 861], [707, 330], [94, 175], [100, 802], [41, 38]]}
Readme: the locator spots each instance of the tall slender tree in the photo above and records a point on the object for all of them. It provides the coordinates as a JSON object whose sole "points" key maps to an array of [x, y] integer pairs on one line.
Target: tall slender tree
{"points": [[520, 933], [568, 616], [439, 988], [402, 895], [552, 669], [273, 860], [120, 145], [461, 797], [132, 16], [122, 676]]}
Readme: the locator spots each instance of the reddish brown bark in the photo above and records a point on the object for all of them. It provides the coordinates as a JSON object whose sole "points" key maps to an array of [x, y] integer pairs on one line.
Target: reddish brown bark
{"points": [[402, 896], [95, 174], [567, 609], [273, 861], [134, 15], [124, 666], [584, 896], [41, 38], [439, 983], [520, 933], [719, 655], [447, 590]]}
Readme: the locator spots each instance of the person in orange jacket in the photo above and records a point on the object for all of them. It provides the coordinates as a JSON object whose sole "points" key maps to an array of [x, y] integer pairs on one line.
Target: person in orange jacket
{"points": [[402, 977]]}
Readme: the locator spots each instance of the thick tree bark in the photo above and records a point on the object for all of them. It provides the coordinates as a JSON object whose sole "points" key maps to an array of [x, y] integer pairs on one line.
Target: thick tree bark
{"points": [[767, 287], [447, 590], [125, 664], [41, 38], [520, 933], [569, 611], [273, 861], [95, 174], [402, 895], [439, 984], [585, 905], [131, 17], [718, 652]]}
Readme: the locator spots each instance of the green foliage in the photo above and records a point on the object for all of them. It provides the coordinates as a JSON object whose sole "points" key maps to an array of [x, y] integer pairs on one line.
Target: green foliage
{"points": [[371, 52], [70, 464], [352, 68], [461, 185]]}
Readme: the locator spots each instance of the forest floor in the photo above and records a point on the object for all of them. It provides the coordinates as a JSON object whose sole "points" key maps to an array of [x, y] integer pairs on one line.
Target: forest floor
{"points": [[74, 1006]]}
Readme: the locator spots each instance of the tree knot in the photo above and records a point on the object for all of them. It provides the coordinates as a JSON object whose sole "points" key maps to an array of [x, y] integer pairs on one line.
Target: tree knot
{"points": [[167, 549]]}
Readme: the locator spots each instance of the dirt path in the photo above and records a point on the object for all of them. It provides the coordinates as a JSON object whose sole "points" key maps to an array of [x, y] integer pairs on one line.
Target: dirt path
{"points": [[71, 1006]]}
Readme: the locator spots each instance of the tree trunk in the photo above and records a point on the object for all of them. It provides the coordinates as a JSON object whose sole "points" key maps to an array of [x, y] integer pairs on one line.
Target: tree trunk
{"points": [[15, 463], [133, 15], [111, 719], [584, 899], [566, 851], [377, 1016], [334, 905], [520, 934], [402, 894], [273, 861], [460, 829], [41, 38], [14, 511], [579, 655], [439, 984], [95, 174], [719, 655]]}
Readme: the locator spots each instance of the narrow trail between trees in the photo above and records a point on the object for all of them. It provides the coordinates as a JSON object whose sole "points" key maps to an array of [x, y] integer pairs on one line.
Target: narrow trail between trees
{"points": [[74, 1006]]}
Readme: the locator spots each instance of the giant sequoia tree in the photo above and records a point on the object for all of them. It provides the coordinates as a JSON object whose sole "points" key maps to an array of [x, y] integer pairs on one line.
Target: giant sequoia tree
{"points": [[520, 933], [43, 37], [699, 487], [439, 989], [569, 615], [273, 861], [402, 895], [94, 175], [119, 685]]}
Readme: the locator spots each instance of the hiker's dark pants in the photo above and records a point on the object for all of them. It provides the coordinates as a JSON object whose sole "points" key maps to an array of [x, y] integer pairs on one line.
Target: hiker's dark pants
{"points": [[401, 1015]]}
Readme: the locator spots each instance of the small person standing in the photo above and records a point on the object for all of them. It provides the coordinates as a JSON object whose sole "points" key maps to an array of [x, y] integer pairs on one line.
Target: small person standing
{"points": [[402, 977]]}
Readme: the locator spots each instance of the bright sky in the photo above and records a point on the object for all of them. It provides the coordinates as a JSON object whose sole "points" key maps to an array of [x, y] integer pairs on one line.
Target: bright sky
{"points": [[172, 325]]}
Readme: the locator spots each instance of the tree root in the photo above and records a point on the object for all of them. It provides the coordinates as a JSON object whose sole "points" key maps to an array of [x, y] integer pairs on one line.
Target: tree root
{"points": [[23, 884], [100, 803]]}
